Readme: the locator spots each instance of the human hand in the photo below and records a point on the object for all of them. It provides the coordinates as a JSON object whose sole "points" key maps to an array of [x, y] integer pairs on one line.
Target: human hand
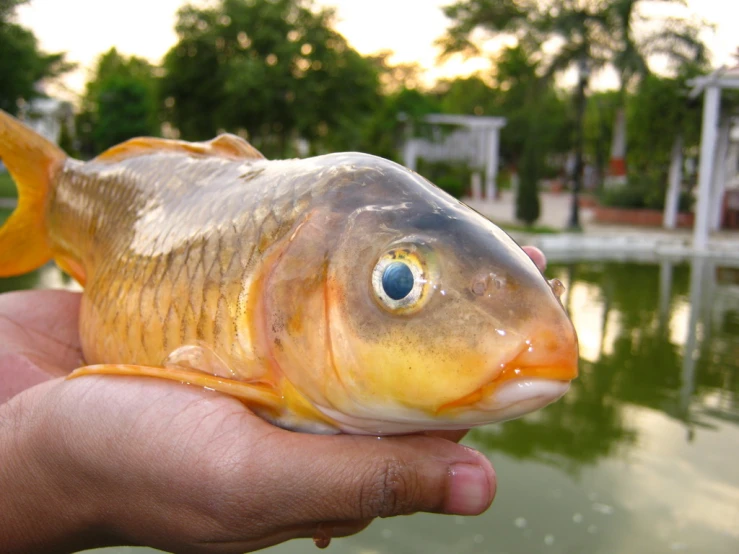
{"points": [[102, 461], [135, 461]]}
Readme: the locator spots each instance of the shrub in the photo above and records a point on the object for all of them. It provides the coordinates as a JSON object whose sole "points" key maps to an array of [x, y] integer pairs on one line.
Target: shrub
{"points": [[451, 178], [643, 192]]}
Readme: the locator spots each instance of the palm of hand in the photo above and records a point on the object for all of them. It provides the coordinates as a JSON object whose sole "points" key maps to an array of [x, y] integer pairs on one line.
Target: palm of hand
{"points": [[185, 469]]}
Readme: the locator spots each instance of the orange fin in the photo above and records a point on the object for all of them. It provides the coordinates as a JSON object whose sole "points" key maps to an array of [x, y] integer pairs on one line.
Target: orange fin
{"points": [[224, 146], [33, 162], [198, 357], [252, 394]]}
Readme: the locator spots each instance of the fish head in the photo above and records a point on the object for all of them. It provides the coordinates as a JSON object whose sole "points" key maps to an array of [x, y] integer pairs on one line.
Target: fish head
{"points": [[424, 315]]}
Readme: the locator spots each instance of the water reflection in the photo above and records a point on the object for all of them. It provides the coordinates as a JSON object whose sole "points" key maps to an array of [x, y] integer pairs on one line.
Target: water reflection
{"points": [[640, 456], [661, 337]]}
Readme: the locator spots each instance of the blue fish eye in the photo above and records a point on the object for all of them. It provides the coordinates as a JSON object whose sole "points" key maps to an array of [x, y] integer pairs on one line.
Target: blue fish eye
{"points": [[397, 280]]}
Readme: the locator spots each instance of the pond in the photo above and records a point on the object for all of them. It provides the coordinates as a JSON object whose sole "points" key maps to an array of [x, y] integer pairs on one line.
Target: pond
{"points": [[640, 456]]}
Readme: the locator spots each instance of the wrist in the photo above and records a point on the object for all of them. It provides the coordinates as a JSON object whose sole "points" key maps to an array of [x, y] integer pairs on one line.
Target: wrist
{"points": [[47, 504]]}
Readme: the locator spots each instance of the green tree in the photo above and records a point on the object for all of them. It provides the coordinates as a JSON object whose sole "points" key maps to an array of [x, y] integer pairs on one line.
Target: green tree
{"points": [[600, 116], [275, 70], [577, 30], [651, 137], [385, 130], [675, 40], [527, 197], [120, 103], [468, 95], [518, 93], [22, 64], [525, 100]]}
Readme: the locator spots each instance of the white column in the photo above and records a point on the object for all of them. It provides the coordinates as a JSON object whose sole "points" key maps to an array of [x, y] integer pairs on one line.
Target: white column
{"points": [[409, 154], [476, 185], [665, 291], [491, 164], [718, 183], [672, 199], [711, 105], [699, 267]]}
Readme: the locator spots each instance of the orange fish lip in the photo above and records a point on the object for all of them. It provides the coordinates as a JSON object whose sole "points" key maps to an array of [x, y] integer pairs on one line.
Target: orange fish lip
{"points": [[564, 369]]}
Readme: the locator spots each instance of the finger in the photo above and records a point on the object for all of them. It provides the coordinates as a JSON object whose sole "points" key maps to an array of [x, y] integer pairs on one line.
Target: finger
{"points": [[350, 478], [454, 436], [537, 256], [325, 530]]}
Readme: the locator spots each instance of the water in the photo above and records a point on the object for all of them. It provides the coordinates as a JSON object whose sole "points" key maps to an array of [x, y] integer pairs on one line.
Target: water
{"points": [[640, 456]]}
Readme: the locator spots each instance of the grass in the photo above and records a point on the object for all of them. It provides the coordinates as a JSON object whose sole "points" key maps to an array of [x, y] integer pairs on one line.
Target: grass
{"points": [[7, 186], [534, 229]]}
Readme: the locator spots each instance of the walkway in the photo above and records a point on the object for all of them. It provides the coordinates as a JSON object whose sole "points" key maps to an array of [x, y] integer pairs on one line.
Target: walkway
{"points": [[601, 240]]}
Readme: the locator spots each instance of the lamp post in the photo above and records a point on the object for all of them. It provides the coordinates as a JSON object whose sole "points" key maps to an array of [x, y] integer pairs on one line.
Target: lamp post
{"points": [[583, 70]]}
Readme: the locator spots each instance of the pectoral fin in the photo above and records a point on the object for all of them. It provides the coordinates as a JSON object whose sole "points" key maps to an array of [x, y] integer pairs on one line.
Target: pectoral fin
{"points": [[252, 394]]}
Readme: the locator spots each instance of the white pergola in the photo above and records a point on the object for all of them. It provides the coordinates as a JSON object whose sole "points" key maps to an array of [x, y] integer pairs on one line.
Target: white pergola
{"points": [[46, 116], [476, 140], [711, 180]]}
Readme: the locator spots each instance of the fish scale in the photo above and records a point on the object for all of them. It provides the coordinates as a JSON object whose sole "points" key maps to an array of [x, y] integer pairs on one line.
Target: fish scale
{"points": [[207, 264], [173, 272]]}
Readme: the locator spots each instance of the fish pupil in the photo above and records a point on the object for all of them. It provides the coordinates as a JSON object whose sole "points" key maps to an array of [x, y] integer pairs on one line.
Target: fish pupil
{"points": [[397, 280]]}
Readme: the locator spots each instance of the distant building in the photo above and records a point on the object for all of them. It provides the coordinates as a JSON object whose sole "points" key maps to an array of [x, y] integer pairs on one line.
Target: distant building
{"points": [[468, 138], [46, 116]]}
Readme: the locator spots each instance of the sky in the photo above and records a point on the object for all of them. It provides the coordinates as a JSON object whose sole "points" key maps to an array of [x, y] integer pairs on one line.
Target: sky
{"points": [[86, 28]]}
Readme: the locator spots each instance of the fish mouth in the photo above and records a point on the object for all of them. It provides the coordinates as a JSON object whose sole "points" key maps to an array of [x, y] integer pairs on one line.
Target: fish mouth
{"points": [[531, 379]]}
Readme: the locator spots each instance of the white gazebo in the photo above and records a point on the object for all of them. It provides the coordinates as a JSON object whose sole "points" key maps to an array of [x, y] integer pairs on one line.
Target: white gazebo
{"points": [[475, 140], [46, 116], [715, 146]]}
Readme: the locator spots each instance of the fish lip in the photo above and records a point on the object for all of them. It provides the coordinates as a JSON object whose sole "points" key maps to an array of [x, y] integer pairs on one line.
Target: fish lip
{"points": [[516, 369], [528, 394], [536, 389]]}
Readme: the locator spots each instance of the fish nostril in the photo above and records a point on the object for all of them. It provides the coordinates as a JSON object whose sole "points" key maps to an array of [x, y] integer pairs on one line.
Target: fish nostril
{"points": [[487, 283], [479, 287], [557, 287]]}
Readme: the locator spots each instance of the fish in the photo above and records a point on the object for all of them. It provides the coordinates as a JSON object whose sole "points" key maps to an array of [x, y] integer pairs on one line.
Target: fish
{"points": [[341, 293]]}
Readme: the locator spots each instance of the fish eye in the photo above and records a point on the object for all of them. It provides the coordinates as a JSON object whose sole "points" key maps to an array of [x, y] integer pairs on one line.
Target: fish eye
{"points": [[400, 280], [397, 280]]}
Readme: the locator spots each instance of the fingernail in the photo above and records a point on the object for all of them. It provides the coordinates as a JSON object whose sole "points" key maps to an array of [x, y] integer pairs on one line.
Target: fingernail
{"points": [[469, 490]]}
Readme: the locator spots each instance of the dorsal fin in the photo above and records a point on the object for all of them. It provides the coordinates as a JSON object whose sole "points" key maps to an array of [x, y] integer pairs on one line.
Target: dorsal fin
{"points": [[224, 146]]}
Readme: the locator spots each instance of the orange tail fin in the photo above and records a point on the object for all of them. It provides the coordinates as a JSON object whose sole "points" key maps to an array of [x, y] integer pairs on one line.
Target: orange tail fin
{"points": [[33, 163]]}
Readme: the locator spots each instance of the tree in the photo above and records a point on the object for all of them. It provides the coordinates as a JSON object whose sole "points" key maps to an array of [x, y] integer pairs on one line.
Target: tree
{"points": [[384, 131], [652, 137], [517, 92], [676, 40], [600, 115], [403, 103], [120, 103], [525, 100], [577, 28], [275, 70], [22, 64], [527, 197]]}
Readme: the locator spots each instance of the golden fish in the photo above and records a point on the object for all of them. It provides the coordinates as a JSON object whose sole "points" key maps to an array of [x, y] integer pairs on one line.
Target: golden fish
{"points": [[341, 293]]}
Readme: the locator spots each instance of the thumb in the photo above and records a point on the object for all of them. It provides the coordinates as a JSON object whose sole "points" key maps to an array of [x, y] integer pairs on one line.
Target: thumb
{"points": [[358, 478]]}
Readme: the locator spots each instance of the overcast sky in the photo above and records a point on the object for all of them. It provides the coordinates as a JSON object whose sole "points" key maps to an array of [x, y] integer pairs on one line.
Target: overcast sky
{"points": [[86, 28]]}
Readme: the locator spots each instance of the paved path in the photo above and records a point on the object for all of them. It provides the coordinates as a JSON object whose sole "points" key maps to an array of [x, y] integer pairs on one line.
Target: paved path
{"points": [[555, 210], [599, 239]]}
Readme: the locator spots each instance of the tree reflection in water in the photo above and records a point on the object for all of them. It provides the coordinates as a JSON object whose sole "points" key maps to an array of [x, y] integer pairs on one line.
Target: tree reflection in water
{"points": [[668, 340]]}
